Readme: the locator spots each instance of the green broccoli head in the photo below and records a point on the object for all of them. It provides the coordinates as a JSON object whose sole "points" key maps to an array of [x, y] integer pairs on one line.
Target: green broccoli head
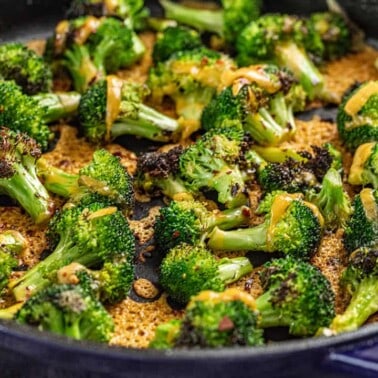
{"points": [[227, 22], [21, 113], [7, 263], [362, 227], [360, 279], [90, 234], [166, 335], [292, 226], [357, 118], [113, 107], [25, 67], [69, 311], [334, 33], [210, 164], [296, 295], [174, 39], [187, 270], [364, 169], [215, 320]]}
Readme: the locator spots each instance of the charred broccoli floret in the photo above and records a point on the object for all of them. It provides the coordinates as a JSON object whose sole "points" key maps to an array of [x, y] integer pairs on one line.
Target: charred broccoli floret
{"points": [[332, 200], [360, 279], [18, 178], [69, 311], [213, 320], [190, 79], [104, 175], [90, 47], [90, 235], [30, 114], [112, 107], [227, 22], [174, 39], [364, 169], [132, 11], [157, 173], [187, 270], [281, 39], [210, 164], [362, 227], [292, 226], [190, 221], [296, 295], [25, 67], [262, 98], [357, 118], [334, 32]]}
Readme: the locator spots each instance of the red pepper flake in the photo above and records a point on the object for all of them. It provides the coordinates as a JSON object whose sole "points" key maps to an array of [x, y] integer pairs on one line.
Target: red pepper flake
{"points": [[226, 324]]}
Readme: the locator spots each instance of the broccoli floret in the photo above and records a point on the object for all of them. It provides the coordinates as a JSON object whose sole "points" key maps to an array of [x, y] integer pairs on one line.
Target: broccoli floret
{"points": [[187, 270], [90, 235], [334, 32], [165, 335], [29, 114], [360, 280], [110, 284], [128, 114], [69, 311], [296, 295], [174, 39], [290, 172], [364, 170], [362, 227], [357, 118], [191, 79], [215, 320], [190, 221], [292, 226], [25, 67], [18, 178], [280, 39], [91, 47], [104, 175], [12, 244], [262, 98], [157, 173], [227, 22], [132, 11], [210, 164], [332, 200]]}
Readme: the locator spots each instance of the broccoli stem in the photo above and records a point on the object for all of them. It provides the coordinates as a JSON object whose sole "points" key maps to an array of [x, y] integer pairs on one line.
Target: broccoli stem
{"points": [[26, 189], [264, 128], [56, 180], [150, 124], [254, 238], [283, 114], [138, 49], [58, 105], [231, 270], [269, 316], [296, 59], [72, 329], [42, 274], [200, 19], [363, 304], [230, 218], [171, 187]]}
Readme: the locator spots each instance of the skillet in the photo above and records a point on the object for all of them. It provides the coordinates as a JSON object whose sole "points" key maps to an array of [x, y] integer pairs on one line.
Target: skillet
{"points": [[26, 352]]}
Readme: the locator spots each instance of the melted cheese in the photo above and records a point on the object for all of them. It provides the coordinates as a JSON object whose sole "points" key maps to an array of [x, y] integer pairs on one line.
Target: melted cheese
{"points": [[359, 160], [248, 75], [111, 6], [89, 27], [67, 274], [102, 213], [61, 32], [228, 295], [358, 100], [370, 205], [113, 103]]}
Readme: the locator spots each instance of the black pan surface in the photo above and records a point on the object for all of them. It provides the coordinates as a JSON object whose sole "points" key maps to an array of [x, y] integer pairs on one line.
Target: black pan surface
{"points": [[25, 352]]}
